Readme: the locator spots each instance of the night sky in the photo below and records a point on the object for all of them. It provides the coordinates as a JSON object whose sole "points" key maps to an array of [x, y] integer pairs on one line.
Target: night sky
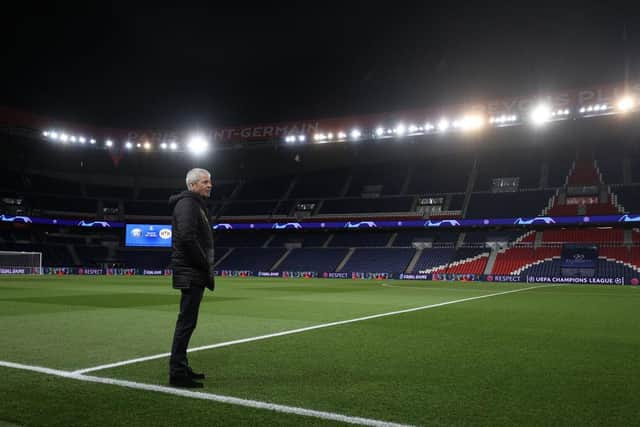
{"points": [[150, 67]]}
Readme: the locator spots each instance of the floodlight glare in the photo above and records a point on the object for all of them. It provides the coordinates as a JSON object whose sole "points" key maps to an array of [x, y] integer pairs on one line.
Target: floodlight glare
{"points": [[109, 143], [540, 114], [413, 128], [330, 136], [138, 145], [400, 129], [355, 134], [147, 146], [302, 138], [173, 146], [128, 145], [72, 138], [54, 135], [64, 137], [163, 145], [197, 144], [626, 103], [471, 122], [82, 140], [443, 125], [379, 131], [45, 133]]}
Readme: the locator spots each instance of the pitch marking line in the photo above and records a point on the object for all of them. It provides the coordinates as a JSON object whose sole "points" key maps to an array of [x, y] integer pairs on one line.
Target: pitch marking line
{"points": [[206, 396], [296, 331]]}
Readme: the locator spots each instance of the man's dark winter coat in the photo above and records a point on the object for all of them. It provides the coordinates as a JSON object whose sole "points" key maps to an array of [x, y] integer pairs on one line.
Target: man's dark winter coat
{"points": [[192, 255]]}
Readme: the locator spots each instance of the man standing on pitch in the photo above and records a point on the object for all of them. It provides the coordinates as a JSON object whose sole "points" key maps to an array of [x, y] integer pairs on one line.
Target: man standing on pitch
{"points": [[192, 263]]}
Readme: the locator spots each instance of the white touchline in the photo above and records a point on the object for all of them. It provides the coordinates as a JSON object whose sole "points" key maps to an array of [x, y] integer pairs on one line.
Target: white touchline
{"points": [[206, 396], [296, 331]]}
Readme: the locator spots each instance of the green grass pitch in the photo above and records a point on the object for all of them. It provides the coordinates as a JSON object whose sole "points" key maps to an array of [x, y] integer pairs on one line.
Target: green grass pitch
{"points": [[558, 355]]}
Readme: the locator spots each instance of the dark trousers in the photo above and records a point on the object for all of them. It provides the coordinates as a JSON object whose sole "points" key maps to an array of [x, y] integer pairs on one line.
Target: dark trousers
{"points": [[186, 324]]}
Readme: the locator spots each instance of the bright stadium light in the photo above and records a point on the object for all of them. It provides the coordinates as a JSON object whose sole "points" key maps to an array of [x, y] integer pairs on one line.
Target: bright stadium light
{"points": [[355, 133], [379, 131], [471, 122], [413, 128], [163, 146], [72, 138], [93, 141], [302, 138], [197, 144], [443, 125], [330, 135], [53, 135], [147, 146], [173, 146], [342, 135], [400, 129], [138, 145], [626, 103], [82, 139], [64, 137], [45, 133], [128, 145], [428, 127], [108, 143], [540, 114]]}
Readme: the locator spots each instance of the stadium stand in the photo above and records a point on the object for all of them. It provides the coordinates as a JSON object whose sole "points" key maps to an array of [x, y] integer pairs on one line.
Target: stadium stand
{"points": [[254, 259], [379, 260], [313, 259]]}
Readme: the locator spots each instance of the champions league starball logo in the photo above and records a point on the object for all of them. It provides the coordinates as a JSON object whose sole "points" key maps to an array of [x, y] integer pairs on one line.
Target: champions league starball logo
{"points": [[98, 224], [536, 220], [23, 219], [294, 225]]}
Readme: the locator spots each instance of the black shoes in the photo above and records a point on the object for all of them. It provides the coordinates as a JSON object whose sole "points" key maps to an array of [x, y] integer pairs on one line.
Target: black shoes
{"points": [[187, 380], [195, 375], [184, 381]]}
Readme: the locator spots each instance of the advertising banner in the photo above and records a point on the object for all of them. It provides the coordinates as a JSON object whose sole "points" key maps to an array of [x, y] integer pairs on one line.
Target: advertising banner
{"points": [[148, 235]]}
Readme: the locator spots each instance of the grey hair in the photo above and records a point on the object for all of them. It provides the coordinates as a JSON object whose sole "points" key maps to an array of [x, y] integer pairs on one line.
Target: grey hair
{"points": [[194, 175]]}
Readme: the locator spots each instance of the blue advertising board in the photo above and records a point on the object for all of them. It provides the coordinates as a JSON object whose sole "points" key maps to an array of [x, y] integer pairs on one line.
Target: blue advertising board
{"points": [[148, 235]]}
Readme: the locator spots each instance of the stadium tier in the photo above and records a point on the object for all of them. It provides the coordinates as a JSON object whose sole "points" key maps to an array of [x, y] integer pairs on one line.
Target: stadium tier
{"points": [[514, 176]]}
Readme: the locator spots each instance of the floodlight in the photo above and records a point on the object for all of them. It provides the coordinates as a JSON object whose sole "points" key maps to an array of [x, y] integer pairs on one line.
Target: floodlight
{"points": [[379, 131], [72, 138], [443, 124], [471, 122], [108, 143], [626, 103], [45, 133], [173, 146], [400, 129], [355, 134], [197, 144], [93, 141], [540, 114], [163, 145], [53, 135], [302, 138], [64, 137], [82, 140], [147, 146], [128, 145]]}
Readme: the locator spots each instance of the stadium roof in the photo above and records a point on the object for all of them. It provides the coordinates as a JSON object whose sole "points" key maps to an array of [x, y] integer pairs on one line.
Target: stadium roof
{"points": [[139, 67]]}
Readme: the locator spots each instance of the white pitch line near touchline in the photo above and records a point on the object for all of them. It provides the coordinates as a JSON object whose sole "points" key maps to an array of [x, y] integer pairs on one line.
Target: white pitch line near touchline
{"points": [[296, 331], [206, 396]]}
